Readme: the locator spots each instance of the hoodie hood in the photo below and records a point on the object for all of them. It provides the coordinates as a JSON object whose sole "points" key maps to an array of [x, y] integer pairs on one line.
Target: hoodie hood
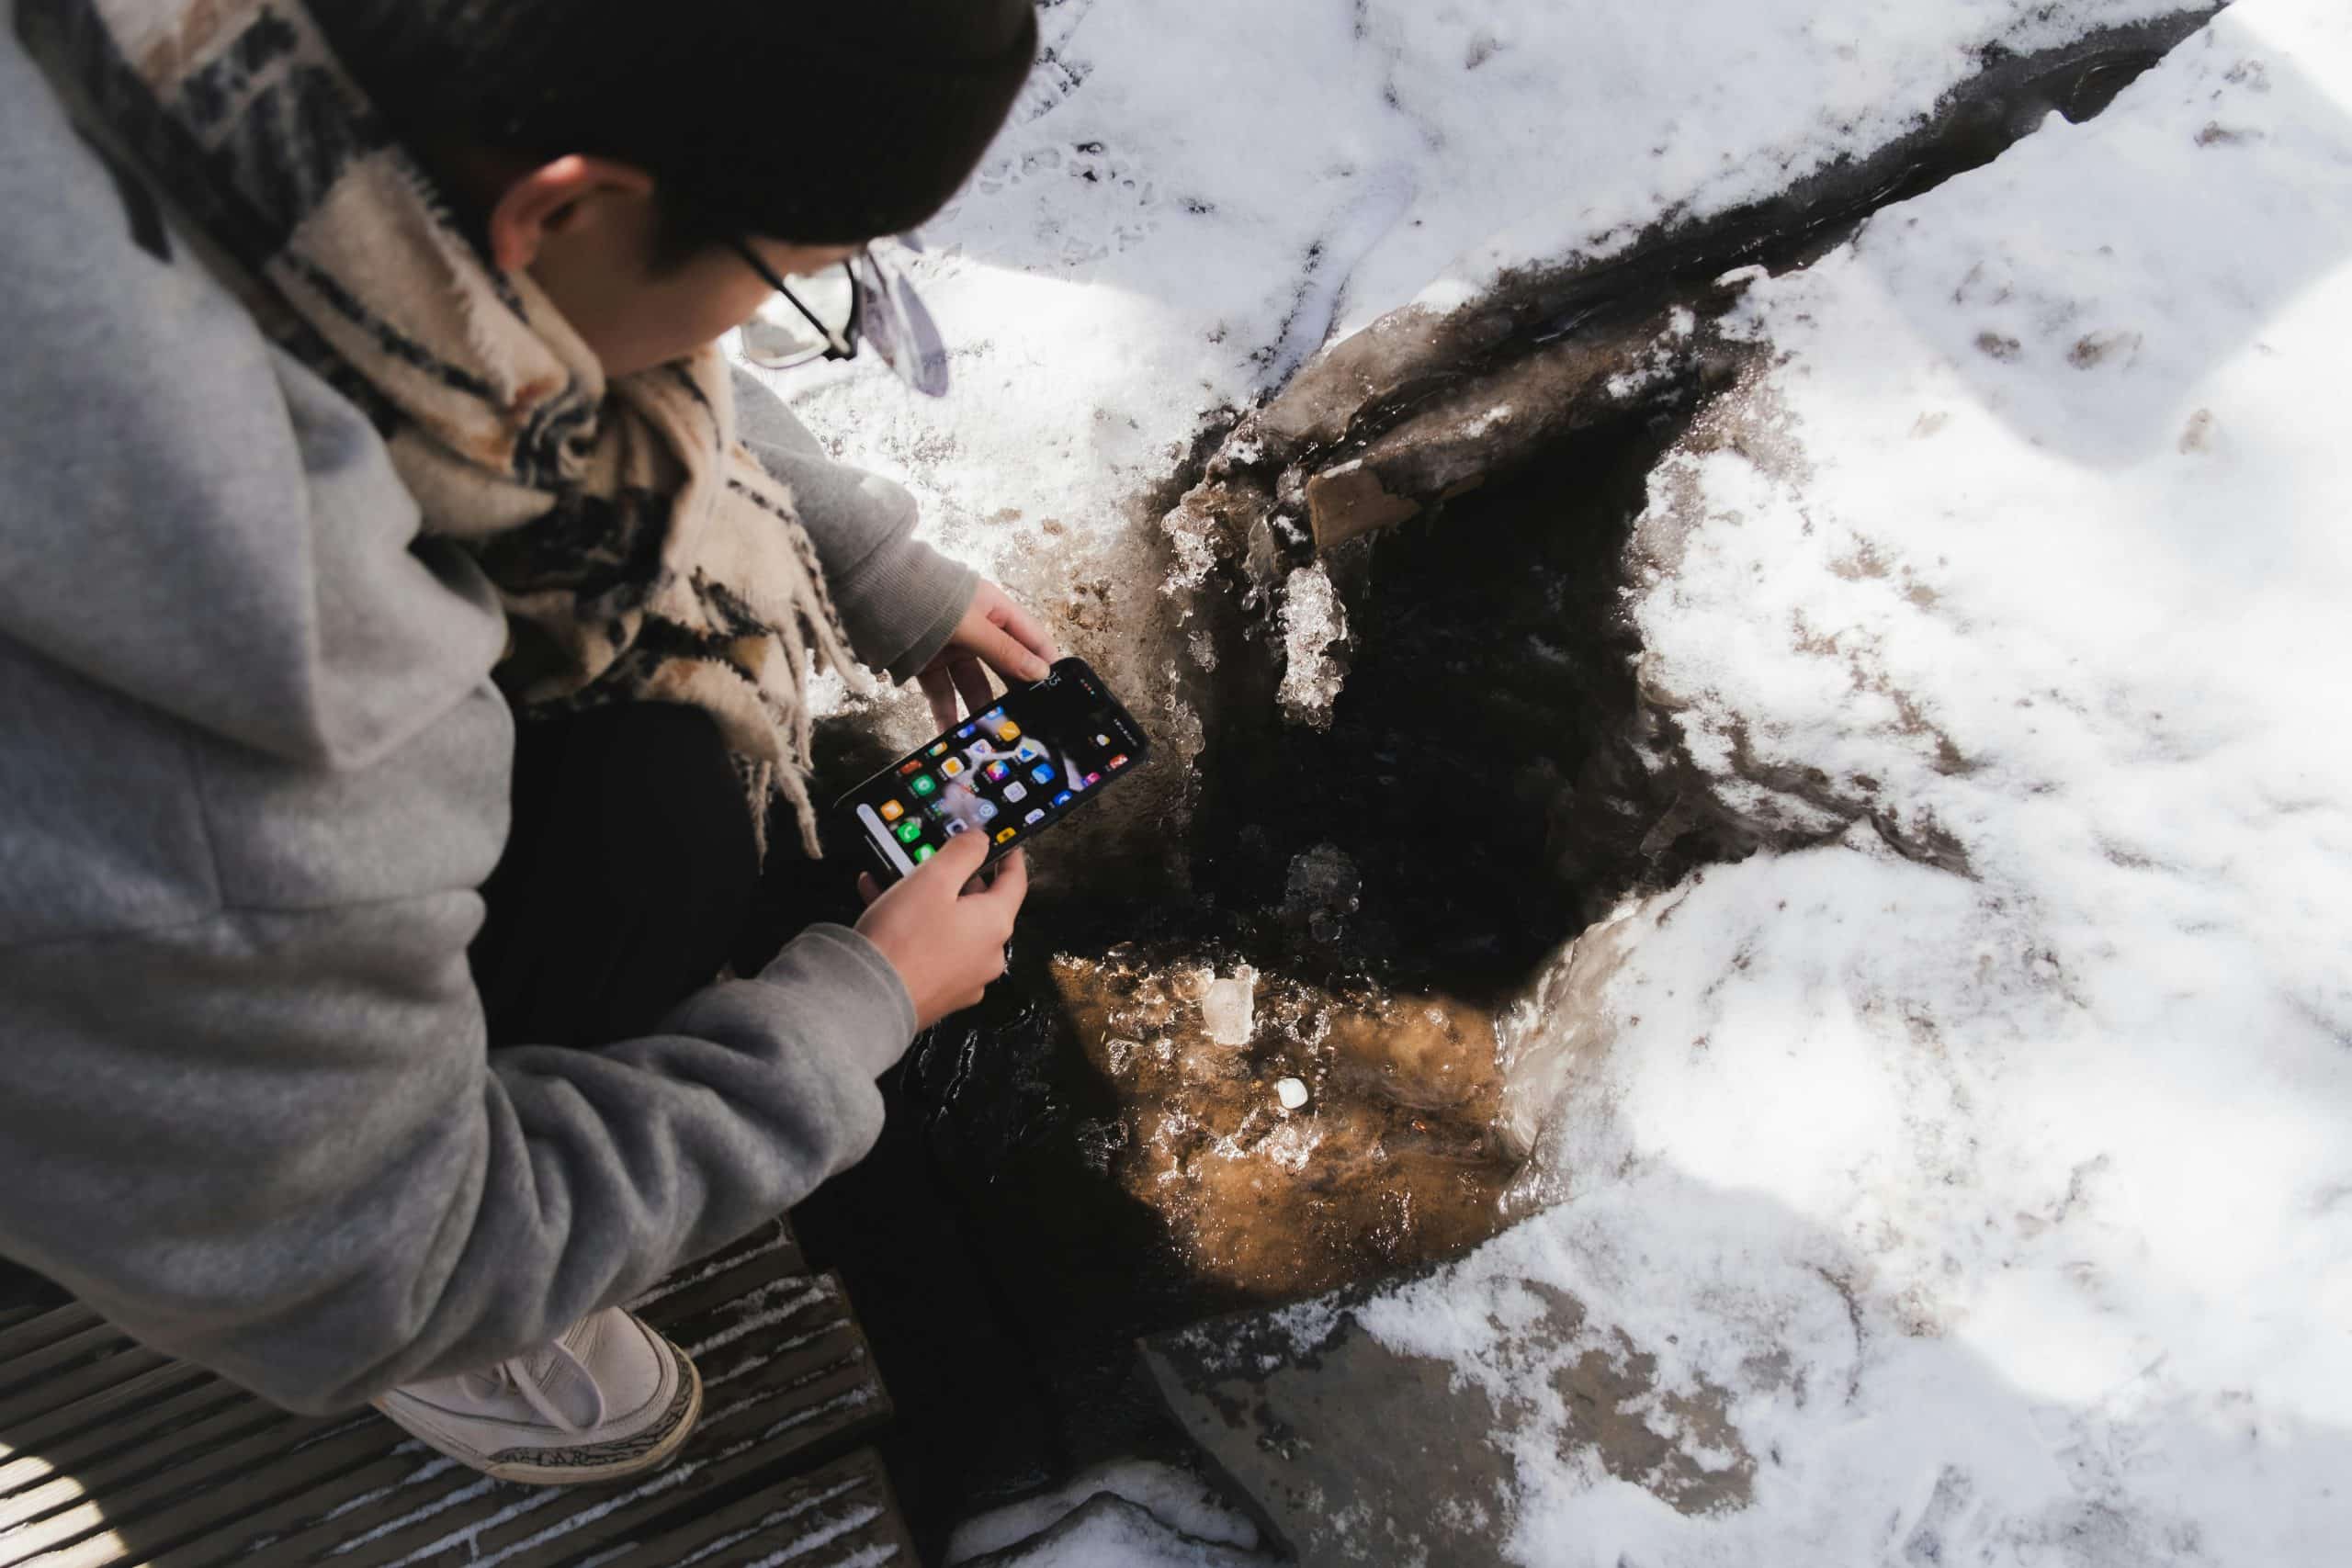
{"points": [[187, 516]]}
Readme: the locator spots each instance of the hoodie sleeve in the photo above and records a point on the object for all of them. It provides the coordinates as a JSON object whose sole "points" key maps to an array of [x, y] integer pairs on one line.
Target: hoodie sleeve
{"points": [[898, 598], [251, 773], [274, 1143]]}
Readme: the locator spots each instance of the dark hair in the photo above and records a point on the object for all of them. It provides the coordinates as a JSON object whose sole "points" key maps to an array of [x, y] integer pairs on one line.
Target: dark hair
{"points": [[819, 124]]}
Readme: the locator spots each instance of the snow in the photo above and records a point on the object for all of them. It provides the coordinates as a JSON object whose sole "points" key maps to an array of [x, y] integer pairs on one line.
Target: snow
{"points": [[1170, 1513], [1984, 1162], [2005, 1190], [1193, 199], [1109, 1532]]}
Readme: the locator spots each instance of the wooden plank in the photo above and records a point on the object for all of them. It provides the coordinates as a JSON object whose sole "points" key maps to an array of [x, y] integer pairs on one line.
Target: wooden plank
{"points": [[45, 1326], [118, 1457], [77, 1433], [771, 1252], [784, 1370], [202, 1460], [841, 1513], [97, 1366]]}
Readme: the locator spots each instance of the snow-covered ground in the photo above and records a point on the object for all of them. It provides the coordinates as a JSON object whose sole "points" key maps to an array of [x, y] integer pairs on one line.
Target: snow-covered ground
{"points": [[1193, 199], [2033, 538], [1999, 1196]]}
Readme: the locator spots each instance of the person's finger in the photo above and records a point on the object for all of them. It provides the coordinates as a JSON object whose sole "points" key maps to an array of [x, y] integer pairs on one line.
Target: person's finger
{"points": [[1008, 656], [1012, 884], [940, 689], [867, 888], [973, 682], [1026, 629]]}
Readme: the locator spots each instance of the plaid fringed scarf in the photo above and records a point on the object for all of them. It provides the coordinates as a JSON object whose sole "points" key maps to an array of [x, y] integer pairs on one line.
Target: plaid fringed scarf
{"points": [[642, 553]]}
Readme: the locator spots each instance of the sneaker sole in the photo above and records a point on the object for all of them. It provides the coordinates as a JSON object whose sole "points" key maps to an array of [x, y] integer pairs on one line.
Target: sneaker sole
{"points": [[598, 1462]]}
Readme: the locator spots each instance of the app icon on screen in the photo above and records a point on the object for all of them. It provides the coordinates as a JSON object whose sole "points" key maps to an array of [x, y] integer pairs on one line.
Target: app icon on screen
{"points": [[951, 767], [1042, 772], [892, 811], [1034, 818], [991, 718], [986, 811], [1120, 760], [914, 767], [979, 752], [1028, 751], [1015, 792], [925, 853], [1103, 742], [998, 773], [1009, 732], [957, 825], [968, 732], [1007, 835], [924, 784], [1063, 799], [909, 830], [938, 750], [1095, 778]]}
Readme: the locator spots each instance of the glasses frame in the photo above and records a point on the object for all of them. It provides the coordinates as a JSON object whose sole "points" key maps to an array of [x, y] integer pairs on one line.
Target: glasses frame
{"points": [[839, 343], [895, 320]]}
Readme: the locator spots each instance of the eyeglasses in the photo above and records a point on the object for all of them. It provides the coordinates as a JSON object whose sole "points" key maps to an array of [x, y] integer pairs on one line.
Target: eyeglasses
{"points": [[829, 315]]}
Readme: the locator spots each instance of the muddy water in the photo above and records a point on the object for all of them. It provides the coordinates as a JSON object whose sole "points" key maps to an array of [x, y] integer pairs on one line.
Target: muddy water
{"points": [[1384, 1155]]}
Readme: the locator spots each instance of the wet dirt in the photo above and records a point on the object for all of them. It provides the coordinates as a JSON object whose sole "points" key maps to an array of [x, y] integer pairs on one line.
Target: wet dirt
{"points": [[1389, 1156]]}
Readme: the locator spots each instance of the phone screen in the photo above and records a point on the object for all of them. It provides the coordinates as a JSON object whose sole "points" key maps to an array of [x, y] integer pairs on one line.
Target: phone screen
{"points": [[1009, 773]]}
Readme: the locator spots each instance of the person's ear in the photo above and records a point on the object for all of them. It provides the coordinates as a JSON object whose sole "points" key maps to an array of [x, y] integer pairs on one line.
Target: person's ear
{"points": [[557, 200]]}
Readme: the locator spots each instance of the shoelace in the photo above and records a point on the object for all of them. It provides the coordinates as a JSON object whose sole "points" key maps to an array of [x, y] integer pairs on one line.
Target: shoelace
{"points": [[514, 1374]]}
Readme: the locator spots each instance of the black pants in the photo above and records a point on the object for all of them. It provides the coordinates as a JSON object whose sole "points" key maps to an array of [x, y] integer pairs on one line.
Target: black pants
{"points": [[630, 878]]}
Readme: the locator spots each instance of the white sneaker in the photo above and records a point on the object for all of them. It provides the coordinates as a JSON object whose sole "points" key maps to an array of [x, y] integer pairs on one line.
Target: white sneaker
{"points": [[608, 1398]]}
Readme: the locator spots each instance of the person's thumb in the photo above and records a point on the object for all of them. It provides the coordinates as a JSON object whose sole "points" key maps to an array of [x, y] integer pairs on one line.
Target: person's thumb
{"points": [[958, 859]]}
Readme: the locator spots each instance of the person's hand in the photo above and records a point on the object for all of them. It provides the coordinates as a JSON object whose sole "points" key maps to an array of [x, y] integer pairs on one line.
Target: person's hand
{"points": [[995, 634], [946, 940]]}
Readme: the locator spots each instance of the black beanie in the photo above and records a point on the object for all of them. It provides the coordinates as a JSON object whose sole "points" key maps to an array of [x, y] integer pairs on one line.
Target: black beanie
{"points": [[815, 123]]}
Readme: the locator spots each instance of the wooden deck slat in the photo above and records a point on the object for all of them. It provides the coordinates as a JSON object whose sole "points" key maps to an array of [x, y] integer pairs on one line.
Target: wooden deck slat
{"points": [[44, 1327], [73, 1390], [89, 1427], [767, 1254], [196, 1460], [25, 1380], [845, 1507]]}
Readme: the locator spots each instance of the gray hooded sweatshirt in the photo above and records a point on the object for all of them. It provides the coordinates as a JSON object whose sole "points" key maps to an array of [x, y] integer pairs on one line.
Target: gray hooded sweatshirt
{"points": [[252, 771]]}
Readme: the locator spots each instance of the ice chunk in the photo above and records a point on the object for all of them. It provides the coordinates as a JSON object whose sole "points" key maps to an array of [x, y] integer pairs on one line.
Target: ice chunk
{"points": [[1291, 1093], [1323, 890], [1229, 1007], [1313, 621]]}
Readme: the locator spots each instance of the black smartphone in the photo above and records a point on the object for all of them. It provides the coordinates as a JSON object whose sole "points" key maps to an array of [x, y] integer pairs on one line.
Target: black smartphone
{"points": [[1010, 772]]}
